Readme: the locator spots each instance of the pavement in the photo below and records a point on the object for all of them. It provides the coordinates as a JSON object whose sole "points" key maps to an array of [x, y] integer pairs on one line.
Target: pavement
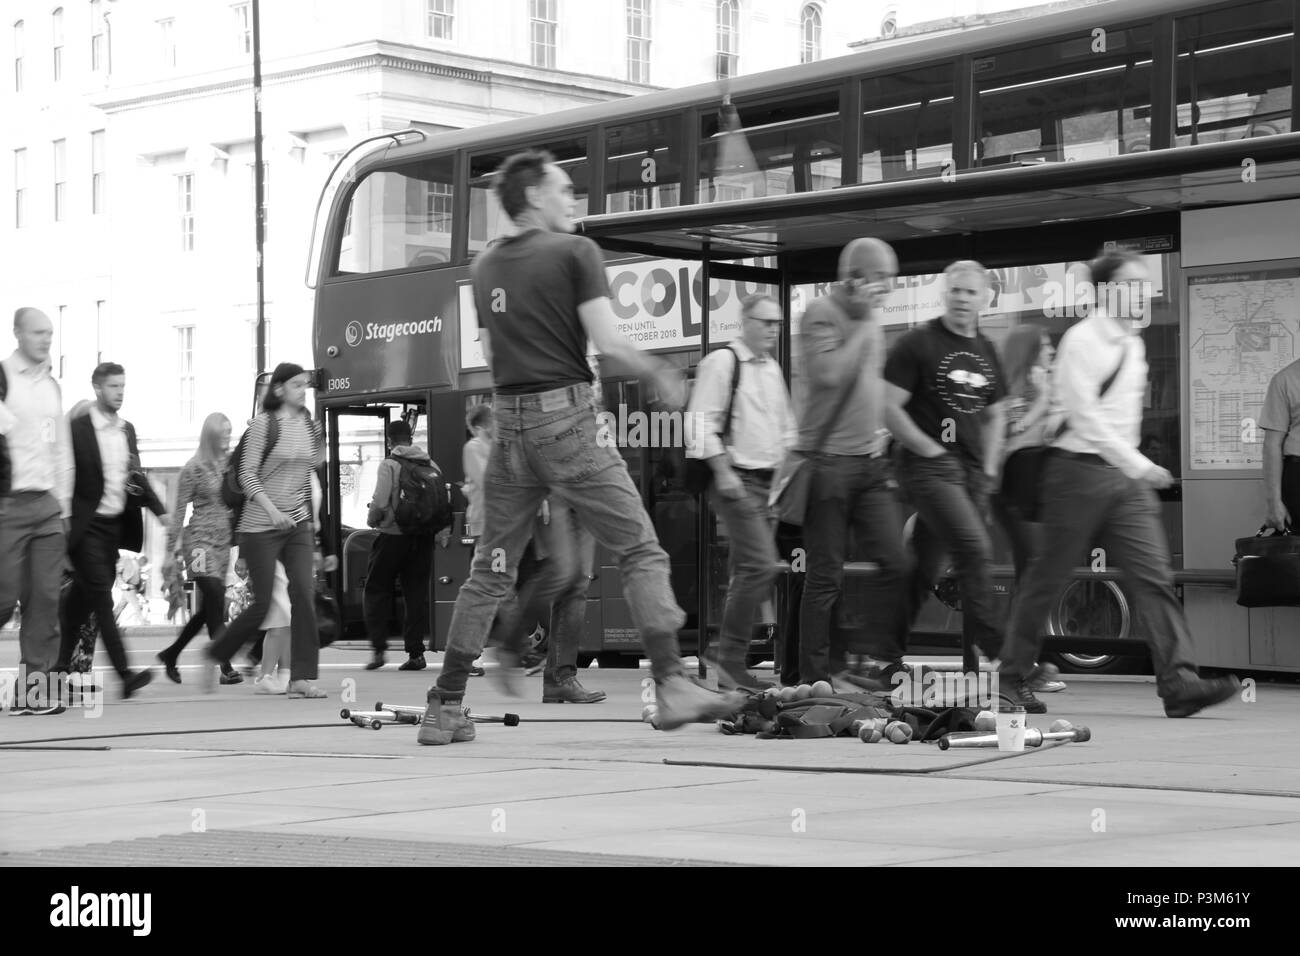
{"points": [[182, 778]]}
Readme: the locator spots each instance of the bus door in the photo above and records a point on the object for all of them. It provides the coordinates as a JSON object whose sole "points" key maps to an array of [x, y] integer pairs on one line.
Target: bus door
{"points": [[729, 284], [357, 436]]}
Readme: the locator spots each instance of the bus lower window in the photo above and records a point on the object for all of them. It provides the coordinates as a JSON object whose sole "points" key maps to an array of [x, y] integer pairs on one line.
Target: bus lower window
{"points": [[399, 218], [486, 218], [1234, 73], [1064, 101]]}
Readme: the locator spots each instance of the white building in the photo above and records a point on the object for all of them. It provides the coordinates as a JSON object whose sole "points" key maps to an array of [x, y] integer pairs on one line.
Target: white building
{"points": [[129, 150]]}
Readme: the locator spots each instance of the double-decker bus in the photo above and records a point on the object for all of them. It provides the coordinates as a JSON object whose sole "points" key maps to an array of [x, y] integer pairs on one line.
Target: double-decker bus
{"points": [[1161, 126]]}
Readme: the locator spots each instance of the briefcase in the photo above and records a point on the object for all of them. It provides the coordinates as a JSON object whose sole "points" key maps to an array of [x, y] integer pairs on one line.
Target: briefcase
{"points": [[1268, 570]]}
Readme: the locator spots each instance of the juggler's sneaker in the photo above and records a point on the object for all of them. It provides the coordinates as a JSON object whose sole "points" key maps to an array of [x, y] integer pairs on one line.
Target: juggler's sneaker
{"points": [[682, 701], [444, 722]]}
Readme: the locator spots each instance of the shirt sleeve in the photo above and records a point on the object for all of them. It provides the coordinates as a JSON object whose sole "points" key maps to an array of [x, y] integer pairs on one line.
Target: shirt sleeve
{"points": [[821, 336], [708, 405], [251, 466], [902, 368], [1079, 389], [1276, 413], [589, 279]]}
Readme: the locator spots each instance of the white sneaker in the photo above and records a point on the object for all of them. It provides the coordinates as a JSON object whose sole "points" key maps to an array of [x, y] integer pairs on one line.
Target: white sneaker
{"points": [[266, 684]]}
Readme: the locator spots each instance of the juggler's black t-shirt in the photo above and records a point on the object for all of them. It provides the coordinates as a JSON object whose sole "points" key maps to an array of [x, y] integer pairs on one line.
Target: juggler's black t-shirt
{"points": [[952, 379]]}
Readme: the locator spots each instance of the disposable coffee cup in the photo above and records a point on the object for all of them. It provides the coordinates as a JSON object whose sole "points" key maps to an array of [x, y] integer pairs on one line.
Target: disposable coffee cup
{"points": [[1011, 730]]}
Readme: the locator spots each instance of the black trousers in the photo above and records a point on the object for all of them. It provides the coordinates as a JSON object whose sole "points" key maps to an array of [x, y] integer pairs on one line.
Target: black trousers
{"points": [[408, 558], [1291, 487], [94, 570], [210, 612]]}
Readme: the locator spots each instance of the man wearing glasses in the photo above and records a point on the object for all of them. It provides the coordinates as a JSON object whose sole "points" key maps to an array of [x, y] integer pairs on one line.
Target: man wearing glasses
{"points": [[743, 453]]}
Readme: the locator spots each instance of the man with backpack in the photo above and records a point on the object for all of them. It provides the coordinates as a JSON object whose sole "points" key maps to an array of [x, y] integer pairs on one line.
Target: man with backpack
{"points": [[409, 507]]}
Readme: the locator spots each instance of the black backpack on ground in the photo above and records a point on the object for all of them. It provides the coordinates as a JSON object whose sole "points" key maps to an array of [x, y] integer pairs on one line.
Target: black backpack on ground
{"points": [[232, 491], [422, 500]]}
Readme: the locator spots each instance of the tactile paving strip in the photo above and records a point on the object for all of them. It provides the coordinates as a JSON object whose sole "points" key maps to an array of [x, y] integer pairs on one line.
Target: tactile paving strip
{"points": [[260, 848]]}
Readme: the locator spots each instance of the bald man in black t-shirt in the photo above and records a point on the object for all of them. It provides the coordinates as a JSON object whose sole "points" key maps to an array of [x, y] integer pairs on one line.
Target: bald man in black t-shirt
{"points": [[540, 294]]}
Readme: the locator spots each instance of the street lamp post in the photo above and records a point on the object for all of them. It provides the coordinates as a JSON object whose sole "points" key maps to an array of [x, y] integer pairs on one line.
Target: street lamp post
{"points": [[259, 220]]}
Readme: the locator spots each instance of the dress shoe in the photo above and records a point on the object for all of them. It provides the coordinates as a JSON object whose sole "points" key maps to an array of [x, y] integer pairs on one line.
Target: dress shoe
{"points": [[415, 662], [376, 661], [1195, 695], [134, 682], [170, 669], [569, 691]]}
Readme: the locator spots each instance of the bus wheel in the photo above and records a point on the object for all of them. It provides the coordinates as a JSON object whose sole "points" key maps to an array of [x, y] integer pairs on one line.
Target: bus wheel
{"points": [[1092, 609]]}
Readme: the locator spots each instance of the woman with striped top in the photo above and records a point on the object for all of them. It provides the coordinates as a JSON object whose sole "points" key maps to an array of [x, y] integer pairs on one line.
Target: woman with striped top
{"points": [[277, 524], [203, 548]]}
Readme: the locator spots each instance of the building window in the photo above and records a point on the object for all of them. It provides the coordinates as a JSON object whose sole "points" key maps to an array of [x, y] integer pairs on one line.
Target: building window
{"points": [[20, 188], [243, 27], [638, 41], [185, 209], [438, 18], [60, 179], [98, 45], [18, 56], [167, 36], [185, 353], [810, 29], [728, 37], [56, 24], [98, 174], [541, 36]]}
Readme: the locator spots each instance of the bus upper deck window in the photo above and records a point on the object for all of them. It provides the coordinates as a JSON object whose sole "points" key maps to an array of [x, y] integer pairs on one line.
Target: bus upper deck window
{"points": [[400, 218], [486, 219]]}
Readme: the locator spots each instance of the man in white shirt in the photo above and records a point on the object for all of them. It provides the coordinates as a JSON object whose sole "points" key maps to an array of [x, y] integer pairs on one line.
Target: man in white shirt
{"points": [[743, 455], [108, 492], [35, 500], [1097, 487]]}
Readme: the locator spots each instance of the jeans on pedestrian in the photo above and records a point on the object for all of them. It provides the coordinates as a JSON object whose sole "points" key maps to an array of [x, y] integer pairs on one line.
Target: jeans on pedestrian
{"points": [[951, 501], [32, 549], [394, 557], [751, 564], [295, 549], [1088, 504], [850, 494], [555, 453]]}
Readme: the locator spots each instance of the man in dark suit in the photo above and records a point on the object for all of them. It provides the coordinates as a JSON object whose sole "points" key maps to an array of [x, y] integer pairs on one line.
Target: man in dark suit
{"points": [[107, 494]]}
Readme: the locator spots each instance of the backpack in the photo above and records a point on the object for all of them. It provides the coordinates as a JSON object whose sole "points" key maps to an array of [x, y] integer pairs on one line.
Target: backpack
{"points": [[422, 502], [232, 492]]}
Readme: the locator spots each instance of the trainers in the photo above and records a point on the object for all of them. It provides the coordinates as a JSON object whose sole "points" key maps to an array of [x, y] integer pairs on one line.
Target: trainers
{"points": [[569, 691], [414, 663], [377, 661], [1043, 675], [134, 682], [1015, 692], [268, 684], [299, 689], [444, 722], [40, 710], [1050, 687], [476, 671], [1195, 695], [231, 676], [681, 701]]}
